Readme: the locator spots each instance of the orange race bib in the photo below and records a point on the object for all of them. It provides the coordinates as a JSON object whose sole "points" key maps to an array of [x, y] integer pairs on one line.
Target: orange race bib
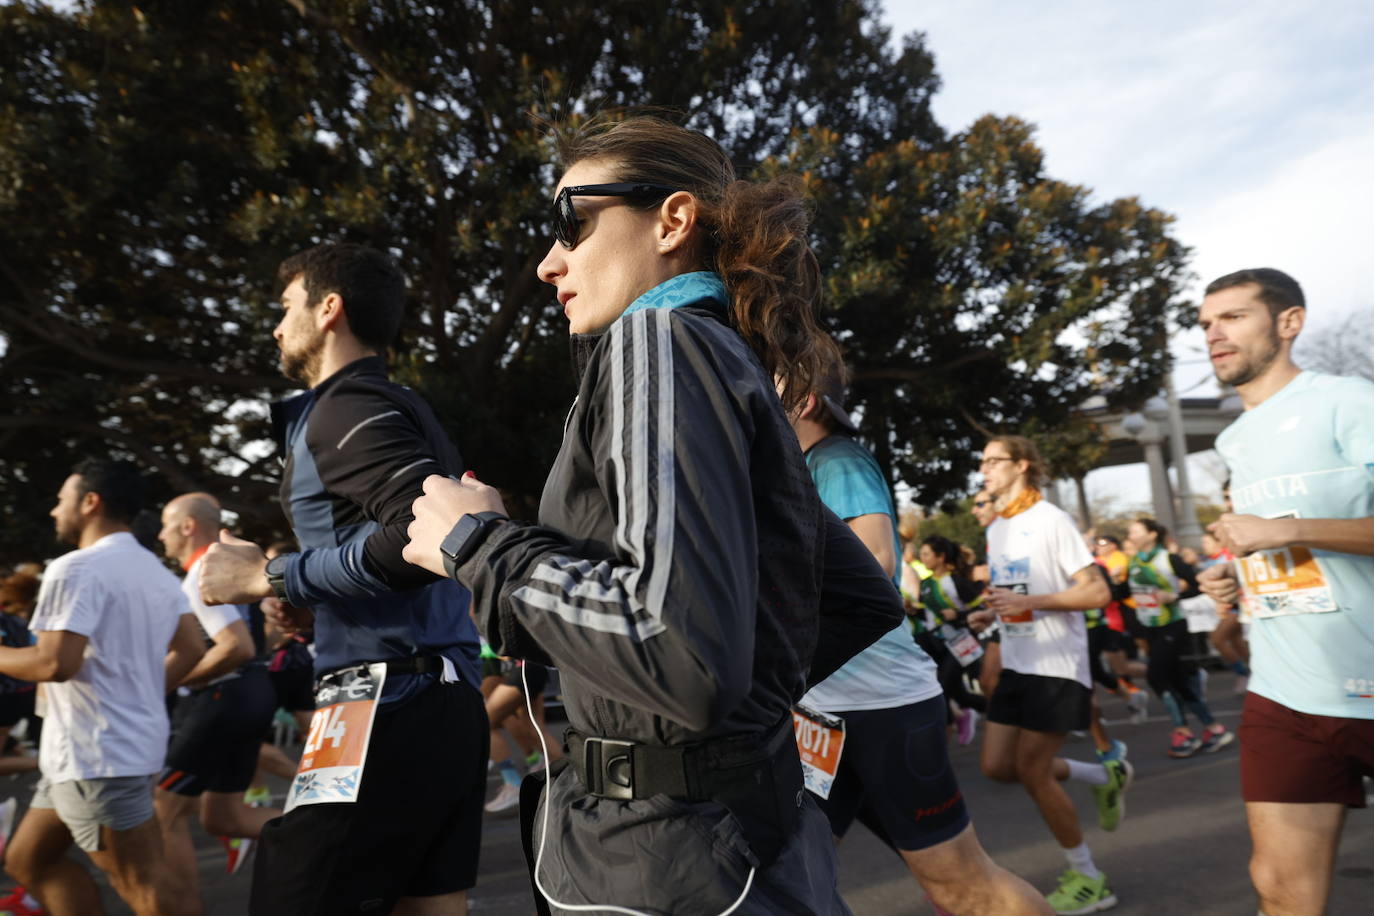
{"points": [[331, 768], [820, 741], [1017, 623], [1279, 583]]}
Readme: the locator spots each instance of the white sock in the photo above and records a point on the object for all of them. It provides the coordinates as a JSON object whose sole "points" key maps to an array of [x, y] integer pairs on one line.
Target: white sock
{"points": [[1081, 860], [1091, 773]]}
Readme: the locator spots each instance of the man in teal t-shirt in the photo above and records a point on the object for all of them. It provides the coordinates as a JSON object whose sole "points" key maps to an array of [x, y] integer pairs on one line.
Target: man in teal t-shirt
{"points": [[1302, 485]]}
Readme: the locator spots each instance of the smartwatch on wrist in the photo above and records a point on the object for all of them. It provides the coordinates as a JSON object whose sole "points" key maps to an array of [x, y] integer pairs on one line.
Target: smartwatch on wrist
{"points": [[276, 575], [462, 542]]}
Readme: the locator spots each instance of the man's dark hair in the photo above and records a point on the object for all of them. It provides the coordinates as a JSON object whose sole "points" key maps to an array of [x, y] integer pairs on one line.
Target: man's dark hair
{"points": [[118, 484], [1111, 539], [1276, 289], [372, 287]]}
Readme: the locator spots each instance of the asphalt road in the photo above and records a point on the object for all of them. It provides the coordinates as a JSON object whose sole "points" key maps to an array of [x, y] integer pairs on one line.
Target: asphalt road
{"points": [[1182, 848]]}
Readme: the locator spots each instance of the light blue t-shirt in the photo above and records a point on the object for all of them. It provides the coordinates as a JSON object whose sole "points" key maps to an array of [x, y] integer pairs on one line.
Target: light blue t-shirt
{"points": [[893, 671], [1308, 452]]}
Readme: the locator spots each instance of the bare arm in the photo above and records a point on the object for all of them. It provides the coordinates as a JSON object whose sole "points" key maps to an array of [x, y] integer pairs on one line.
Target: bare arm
{"points": [[57, 656], [184, 651], [233, 646], [875, 530], [1244, 534]]}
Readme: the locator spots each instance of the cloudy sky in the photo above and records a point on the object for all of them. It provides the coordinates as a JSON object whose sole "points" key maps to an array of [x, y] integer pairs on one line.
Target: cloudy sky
{"points": [[1252, 122]]}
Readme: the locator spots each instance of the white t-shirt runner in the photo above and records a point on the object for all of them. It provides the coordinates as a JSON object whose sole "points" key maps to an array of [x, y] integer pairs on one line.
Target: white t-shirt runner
{"points": [[110, 718], [1036, 552]]}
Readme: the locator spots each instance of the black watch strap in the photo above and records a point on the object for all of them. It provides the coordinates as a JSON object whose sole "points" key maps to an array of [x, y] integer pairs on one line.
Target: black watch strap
{"points": [[276, 575], [465, 537]]}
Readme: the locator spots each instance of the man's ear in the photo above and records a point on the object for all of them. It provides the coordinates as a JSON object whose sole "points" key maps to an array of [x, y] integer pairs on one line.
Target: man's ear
{"points": [[811, 407], [1290, 321], [90, 504], [330, 312]]}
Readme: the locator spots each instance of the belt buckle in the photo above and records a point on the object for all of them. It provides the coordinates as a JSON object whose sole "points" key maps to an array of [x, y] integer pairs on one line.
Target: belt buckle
{"points": [[612, 769]]}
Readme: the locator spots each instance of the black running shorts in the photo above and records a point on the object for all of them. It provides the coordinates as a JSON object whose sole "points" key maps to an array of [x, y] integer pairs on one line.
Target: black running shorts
{"points": [[895, 777], [216, 733], [414, 831], [1040, 703]]}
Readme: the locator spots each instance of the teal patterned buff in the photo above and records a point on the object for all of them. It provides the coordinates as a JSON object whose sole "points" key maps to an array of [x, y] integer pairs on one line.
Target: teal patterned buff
{"points": [[683, 289]]}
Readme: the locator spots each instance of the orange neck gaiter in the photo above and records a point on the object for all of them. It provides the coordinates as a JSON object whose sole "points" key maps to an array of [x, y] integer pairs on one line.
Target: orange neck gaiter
{"points": [[1023, 501]]}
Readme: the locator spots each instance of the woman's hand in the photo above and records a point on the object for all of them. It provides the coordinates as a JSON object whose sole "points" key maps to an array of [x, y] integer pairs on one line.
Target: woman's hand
{"points": [[444, 502]]}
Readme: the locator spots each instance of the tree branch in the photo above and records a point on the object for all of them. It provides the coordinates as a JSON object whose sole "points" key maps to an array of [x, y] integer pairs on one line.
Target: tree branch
{"points": [[99, 357], [180, 478], [897, 374], [356, 43]]}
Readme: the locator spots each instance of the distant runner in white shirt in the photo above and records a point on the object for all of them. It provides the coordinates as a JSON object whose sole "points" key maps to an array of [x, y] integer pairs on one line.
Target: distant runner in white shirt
{"points": [[1301, 459], [218, 725], [107, 614], [1043, 578]]}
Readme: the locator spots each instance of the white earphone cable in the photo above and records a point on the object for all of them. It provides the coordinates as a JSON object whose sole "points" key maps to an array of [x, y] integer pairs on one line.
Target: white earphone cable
{"points": [[544, 834]]}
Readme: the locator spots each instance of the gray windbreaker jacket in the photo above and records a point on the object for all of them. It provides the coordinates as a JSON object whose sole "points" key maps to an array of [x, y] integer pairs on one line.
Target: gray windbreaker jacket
{"points": [[684, 577]]}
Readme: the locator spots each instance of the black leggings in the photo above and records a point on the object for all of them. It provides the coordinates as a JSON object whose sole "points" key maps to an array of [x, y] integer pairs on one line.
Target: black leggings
{"points": [[951, 674], [1167, 670], [1100, 639]]}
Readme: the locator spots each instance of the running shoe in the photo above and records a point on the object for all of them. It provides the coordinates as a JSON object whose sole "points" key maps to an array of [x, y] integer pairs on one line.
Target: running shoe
{"points": [[1138, 702], [257, 797], [967, 726], [239, 850], [17, 904], [1214, 741], [505, 800], [1184, 744], [1111, 798], [1077, 893], [1116, 752]]}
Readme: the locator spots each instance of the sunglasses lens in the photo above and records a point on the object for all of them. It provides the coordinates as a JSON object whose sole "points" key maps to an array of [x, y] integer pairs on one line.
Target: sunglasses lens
{"points": [[565, 225]]}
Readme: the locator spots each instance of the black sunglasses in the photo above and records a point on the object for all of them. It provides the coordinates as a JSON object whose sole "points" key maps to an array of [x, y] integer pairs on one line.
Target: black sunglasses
{"points": [[567, 228]]}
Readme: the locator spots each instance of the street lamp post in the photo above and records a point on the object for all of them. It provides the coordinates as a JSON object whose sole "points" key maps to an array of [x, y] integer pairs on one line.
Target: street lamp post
{"points": [[1151, 438]]}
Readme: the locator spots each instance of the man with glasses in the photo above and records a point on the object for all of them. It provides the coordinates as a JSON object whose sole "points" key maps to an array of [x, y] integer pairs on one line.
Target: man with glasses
{"points": [[1043, 578], [1301, 459]]}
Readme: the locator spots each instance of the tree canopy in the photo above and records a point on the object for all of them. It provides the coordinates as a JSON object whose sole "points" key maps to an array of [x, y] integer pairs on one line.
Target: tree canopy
{"points": [[158, 159]]}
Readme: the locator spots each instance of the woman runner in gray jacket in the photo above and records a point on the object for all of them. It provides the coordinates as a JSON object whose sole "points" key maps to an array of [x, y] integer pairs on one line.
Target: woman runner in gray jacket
{"points": [[683, 575]]}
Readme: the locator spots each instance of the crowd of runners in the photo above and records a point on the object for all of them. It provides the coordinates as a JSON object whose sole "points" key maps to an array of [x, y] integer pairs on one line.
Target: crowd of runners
{"points": [[753, 654]]}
